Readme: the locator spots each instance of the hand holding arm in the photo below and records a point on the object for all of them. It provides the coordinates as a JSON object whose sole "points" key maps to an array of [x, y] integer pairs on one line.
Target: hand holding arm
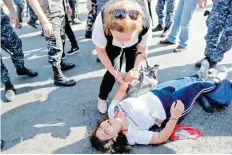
{"points": [[108, 65]]}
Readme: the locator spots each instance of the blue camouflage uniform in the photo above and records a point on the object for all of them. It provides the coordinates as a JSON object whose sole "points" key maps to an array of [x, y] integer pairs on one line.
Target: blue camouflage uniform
{"points": [[219, 23], [170, 5], [12, 44], [91, 18]]}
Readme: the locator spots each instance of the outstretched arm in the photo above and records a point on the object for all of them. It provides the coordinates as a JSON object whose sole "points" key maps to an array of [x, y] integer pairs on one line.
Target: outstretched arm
{"points": [[162, 136], [121, 92], [129, 78]]}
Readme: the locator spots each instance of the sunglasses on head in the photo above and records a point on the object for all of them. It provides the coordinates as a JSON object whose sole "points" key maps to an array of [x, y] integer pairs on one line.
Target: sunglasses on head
{"points": [[121, 13]]}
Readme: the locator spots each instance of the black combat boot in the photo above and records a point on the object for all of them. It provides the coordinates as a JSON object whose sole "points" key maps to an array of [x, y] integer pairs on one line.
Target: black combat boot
{"points": [[60, 79], [25, 71], [66, 66]]}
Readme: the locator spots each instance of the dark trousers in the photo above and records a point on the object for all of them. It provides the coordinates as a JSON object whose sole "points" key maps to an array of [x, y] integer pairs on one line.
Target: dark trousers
{"points": [[20, 7], [72, 5], [55, 43], [186, 89], [113, 52], [91, 18], [33, 17], [69, 33], [12, 44], [219, 35]]}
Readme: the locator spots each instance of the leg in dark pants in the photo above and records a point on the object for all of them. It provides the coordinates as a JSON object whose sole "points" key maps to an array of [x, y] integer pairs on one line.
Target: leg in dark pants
{"points": [[219, 23], [186, 89], [33, 18], [91, 19], [108, 79], [72, 5], [20, 7], [5, 78], [12, 43], [70, 34], [9, 87]]}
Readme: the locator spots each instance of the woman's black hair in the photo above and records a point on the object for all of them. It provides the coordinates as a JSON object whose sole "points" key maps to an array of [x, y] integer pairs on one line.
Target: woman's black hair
{"points": [[110, 146]]}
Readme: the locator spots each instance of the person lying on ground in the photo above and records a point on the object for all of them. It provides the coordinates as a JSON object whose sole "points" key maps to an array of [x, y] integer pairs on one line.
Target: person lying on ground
{"points": [[130, 119]]}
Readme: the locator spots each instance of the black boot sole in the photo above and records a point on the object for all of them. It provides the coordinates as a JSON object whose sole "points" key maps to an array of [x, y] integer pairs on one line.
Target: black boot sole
{"points": [[34, 75], [64, 84], [166, 43]]}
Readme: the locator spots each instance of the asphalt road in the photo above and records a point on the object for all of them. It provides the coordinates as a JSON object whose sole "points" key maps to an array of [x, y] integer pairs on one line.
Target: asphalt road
{"points": [[45, 118]]}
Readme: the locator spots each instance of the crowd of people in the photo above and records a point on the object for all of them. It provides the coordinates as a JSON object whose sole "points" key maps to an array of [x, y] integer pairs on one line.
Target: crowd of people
{"points": [[121, 30]]}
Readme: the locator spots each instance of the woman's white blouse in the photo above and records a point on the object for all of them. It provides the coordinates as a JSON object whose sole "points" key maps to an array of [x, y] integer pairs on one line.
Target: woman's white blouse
{"points": [[143, 111], [99, 39]]}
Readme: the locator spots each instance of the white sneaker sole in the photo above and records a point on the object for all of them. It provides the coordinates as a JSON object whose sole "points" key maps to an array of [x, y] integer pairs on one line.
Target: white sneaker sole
{"points": [[10, 95]]}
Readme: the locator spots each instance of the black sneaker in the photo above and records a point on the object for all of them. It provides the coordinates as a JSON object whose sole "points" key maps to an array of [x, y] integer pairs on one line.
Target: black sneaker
{"points": [[88, 35], [206, 13], [158, 28], [2, 144], [32, 24], [166, 42], [25, 71], [98, 60], [179, 49], [9, 92], [42, 34], [73, 51], [66, 66], [20, 25], [165, 32]]}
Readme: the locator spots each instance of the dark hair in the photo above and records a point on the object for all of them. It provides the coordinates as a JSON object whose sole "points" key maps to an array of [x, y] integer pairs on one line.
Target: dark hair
{"points": [[110, 146]]}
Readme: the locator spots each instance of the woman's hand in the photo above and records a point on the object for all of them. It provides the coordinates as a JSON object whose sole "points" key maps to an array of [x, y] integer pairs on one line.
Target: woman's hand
{"points": [[89, 5], [177, 109], [132, 76], [120, 78]]}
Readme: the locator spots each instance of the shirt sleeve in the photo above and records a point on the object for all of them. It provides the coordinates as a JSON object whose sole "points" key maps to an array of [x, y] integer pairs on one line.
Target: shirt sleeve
{"points": [[143, 137], [98, 36], [146, 39]]}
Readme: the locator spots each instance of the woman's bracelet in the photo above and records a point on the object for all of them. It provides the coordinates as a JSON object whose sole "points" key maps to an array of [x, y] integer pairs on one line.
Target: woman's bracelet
{"points": [[175, 119]]}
